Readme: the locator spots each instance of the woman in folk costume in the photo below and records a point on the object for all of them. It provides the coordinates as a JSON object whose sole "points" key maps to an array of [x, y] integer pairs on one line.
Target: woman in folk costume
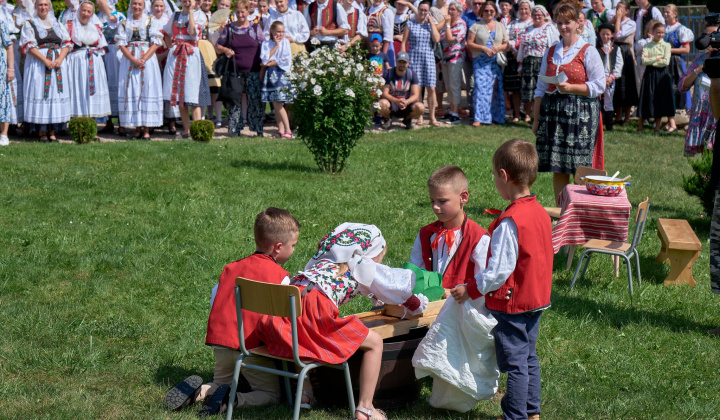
{"points": [[45, 43], [185, 73], [161, 12], [347, 263], [15, 83], [72, 7], [110, 18], [626, 89], [89, 96], [207, 50], [140, 100], [679, 37]]}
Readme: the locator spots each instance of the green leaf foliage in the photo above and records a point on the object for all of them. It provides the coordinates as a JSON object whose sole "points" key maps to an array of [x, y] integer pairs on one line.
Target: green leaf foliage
{"points": [[202, 130], [82, 129], [698, 184]]}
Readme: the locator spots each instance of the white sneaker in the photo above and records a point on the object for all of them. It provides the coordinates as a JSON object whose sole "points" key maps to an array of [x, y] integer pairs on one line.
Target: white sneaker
{"points": [[4, 141]]}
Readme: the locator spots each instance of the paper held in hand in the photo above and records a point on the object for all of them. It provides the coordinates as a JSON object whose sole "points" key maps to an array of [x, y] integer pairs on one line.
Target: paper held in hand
{"points": [[555, 80]]}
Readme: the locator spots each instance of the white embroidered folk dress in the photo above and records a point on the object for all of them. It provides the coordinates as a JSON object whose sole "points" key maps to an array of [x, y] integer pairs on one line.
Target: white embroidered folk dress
{"points": [[45, 104], [87, 80], [140, 99], [187, 87]]}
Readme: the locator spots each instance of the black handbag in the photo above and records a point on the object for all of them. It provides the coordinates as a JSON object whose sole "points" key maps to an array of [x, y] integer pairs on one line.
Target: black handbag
{"points": [[232, 87]]}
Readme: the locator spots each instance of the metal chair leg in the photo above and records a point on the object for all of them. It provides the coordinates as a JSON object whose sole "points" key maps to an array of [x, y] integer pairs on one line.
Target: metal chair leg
{"points": [[348, 384], [288, 392], [577, 269], [298, 391], [637, 261], [233, 388], [629, 270]]}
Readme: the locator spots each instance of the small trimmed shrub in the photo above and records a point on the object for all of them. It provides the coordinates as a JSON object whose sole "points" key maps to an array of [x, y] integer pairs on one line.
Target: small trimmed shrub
{"points": [[202, 130], [698, 184], [82, 129]]}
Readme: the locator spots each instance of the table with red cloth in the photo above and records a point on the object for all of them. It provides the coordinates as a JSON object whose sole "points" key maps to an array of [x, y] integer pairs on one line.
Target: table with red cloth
{"points": [[586, 216]]}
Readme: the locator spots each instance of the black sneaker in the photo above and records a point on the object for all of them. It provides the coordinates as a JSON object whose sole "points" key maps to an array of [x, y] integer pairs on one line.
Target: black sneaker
{"points": [[453, 119], [386, 123], [408, 123]]}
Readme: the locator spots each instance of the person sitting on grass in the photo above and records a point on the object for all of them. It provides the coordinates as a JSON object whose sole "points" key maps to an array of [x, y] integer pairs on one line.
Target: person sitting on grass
{"points": [[518, 278], [347, 263], [401, 94], [453, 245], [276, 233]]}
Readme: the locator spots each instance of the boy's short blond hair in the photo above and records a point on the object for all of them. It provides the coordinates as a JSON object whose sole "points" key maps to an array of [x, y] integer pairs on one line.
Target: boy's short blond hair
{"points": [[274, 225], [449, 176], [519, 159]]}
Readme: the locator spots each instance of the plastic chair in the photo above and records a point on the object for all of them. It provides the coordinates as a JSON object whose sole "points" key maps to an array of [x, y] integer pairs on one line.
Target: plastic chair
{"points": [[284, 301], [618, 249]]}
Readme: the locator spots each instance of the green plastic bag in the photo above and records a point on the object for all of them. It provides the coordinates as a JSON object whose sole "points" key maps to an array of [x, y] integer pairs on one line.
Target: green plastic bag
{"points": [[429, 283]]}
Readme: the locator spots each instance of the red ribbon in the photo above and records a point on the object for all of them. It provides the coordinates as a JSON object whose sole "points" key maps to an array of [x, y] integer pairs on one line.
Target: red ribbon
{"points": [[182, 50]]}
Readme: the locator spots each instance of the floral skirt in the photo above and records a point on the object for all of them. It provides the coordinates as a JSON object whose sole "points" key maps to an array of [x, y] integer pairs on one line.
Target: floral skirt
{"points": [[323, 335], [530, 74], [701, 128], [567, 130], [275, 86]]}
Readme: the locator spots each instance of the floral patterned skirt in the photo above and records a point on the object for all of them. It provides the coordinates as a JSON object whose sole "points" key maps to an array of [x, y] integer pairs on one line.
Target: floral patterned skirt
{"points": [[323, 335], [701, 128], [567, 130], [274, 86], [528, 82]]}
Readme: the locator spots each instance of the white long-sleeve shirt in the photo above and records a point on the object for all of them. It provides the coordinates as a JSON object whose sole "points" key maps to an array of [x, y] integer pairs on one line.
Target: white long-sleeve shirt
{"points": [[340, 16], [296, 26], [503, 259], [443, 256], [593, 67]]}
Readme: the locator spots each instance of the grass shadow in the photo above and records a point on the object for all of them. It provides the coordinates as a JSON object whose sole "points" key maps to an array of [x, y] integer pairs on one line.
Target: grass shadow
{"points": [[273, 166], [580, 308], [169, 375]]}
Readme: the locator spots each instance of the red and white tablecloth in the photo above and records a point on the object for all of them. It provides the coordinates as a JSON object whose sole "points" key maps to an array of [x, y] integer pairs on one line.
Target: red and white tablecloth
{"points": [[586, 216]]}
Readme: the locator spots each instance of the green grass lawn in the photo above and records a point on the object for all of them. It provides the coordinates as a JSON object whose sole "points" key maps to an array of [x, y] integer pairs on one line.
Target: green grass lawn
{"points": [[109, 252]]}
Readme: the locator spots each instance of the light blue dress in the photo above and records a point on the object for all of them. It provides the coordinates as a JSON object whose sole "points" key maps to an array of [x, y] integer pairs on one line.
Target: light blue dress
{"points": [[422, 58], [489, 97], [5, 96]]}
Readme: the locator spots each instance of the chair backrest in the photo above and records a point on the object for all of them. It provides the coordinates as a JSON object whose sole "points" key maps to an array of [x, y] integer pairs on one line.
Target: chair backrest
{"points": [[267, 298], [582, 171], [640, 219]]}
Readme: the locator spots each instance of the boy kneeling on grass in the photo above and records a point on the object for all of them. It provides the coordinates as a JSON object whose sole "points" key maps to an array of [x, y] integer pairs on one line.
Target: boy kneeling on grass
{"points": [[517, 280], [276, 233]]}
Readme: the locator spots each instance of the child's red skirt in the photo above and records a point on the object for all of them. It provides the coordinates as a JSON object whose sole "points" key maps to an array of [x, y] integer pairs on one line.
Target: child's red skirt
{"points": [[322, 334]]}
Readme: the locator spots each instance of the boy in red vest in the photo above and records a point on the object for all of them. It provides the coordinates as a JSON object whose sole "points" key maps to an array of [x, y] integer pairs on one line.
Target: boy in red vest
{"points": [[454, 245], [518, 278], [276, 233]]}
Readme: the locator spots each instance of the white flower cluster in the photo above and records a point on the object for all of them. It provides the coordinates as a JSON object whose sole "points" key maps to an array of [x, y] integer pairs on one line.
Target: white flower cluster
{"points": [[328, 71]]}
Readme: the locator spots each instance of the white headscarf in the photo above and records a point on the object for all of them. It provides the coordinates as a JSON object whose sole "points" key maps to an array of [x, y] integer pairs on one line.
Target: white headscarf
{"points": [[355, 244], [129, 14], [543, 10], [89, 33], [170, 8]]}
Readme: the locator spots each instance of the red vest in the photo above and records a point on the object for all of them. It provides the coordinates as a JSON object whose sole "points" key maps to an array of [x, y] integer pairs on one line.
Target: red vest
{"points": [[353, 21], [460, 270], [328, 16], [528, 287], [575, 69], [222, 327]]}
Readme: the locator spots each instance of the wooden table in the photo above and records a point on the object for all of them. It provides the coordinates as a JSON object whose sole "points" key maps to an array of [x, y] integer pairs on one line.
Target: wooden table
{"points": [[587, 216], [391, 326]]}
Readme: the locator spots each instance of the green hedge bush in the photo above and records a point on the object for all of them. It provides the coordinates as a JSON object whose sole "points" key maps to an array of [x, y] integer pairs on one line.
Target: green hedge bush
{"points": [[202, 130], [83, 129], [698, 184]]}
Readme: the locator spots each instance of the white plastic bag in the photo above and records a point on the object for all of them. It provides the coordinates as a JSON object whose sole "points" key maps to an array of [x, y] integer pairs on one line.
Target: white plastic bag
{"points": [[458, 352]]}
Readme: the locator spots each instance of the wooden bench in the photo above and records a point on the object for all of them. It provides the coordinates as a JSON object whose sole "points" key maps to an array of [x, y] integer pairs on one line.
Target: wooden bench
{"points": [[681, 247]]}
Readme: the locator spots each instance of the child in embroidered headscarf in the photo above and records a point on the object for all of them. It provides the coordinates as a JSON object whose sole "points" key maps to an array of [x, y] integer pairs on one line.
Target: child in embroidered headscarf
{"points": [[347, 263]]}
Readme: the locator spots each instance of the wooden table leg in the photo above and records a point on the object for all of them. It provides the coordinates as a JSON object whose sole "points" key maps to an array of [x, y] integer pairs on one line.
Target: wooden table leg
{"points": [[571, 253], [681, 262], [662, 255]]}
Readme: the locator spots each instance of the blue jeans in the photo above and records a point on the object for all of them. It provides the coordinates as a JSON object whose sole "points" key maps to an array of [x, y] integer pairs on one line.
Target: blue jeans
{"points": [[515, 338]]}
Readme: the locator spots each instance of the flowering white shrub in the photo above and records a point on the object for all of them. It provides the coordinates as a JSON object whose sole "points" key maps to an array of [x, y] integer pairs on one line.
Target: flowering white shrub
{"points": [[334, 96]]}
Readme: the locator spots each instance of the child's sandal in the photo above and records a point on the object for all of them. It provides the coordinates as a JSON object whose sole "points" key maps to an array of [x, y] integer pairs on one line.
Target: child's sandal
{"points": [[288, 135], [372, 413], [215, 402], [183, 394]]}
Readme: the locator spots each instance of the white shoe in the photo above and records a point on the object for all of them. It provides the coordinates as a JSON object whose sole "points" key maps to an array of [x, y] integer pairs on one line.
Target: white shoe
{"points": [[218, 123], [4, 141]]}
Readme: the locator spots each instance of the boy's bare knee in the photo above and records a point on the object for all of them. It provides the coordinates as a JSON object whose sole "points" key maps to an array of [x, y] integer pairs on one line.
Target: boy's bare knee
{"points": [[373, 341]]}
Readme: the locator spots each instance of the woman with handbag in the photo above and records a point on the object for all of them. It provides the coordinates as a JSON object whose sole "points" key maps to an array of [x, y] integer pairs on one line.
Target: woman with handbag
{"points": [[140, 100], [418, 38], [487, 40], [241, 42]]}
